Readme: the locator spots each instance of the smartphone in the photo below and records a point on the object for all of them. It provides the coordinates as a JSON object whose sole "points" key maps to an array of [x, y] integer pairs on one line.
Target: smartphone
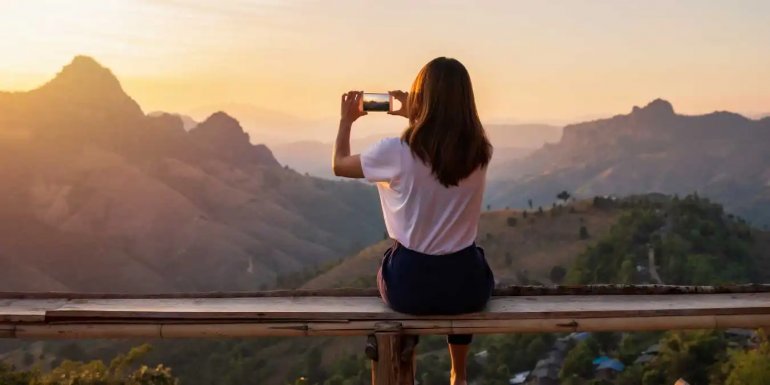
{"points": [[375, 102]]}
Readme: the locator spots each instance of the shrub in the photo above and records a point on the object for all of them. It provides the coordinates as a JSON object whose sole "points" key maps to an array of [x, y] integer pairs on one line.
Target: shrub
{"points": [[557, 274], [584, 232]]}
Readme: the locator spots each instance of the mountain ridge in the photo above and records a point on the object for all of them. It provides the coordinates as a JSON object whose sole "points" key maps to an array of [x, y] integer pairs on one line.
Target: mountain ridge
{"points": [[651, 149], [147, 206]]}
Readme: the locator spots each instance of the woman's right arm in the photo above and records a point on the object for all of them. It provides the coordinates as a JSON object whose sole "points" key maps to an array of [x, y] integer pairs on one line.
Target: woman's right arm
{"points": [[344, 164]]}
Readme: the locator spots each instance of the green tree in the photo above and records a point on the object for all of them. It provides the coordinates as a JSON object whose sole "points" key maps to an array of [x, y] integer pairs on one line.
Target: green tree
{"points": [[118, 372], [313, 370], [632, 375], [627, 271], [579, 361], [9, 376], [606, 341], [688, 355], [748, 367]]}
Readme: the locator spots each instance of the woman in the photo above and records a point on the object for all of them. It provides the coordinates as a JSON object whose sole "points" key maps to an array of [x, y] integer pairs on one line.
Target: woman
{"points": [[431, 183]]}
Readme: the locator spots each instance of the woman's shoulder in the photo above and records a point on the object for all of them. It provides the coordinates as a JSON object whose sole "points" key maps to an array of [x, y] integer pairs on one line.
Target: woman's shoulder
{"points": [[392, 141], [389, 144]]}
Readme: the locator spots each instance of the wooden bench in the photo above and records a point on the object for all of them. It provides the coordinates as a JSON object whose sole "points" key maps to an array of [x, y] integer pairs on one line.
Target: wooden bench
{"points": [[350, 312]]}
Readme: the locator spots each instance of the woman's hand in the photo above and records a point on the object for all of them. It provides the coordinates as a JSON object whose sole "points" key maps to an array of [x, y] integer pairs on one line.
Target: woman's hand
{"points": [[350, 108], [401, 96]]}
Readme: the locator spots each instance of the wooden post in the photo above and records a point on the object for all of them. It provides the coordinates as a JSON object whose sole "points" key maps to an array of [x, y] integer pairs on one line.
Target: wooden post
{"points": [[391, 368]]}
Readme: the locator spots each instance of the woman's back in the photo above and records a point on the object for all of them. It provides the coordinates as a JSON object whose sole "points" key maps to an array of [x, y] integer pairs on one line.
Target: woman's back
{"points": [[431, 183], [421, 213]]}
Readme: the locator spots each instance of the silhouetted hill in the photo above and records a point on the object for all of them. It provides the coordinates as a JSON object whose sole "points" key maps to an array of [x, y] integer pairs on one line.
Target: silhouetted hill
{"points": [[94, 195], [721, 155], [223, 134], [522, 135], [84, 102], [187, 121]]}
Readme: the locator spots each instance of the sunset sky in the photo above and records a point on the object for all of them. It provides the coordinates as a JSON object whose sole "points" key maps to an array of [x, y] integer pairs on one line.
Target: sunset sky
{"points": [[544, 61]]}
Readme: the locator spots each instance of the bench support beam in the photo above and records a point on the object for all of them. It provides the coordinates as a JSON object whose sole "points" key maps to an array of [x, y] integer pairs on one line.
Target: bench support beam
{"points": [[392, 367]]}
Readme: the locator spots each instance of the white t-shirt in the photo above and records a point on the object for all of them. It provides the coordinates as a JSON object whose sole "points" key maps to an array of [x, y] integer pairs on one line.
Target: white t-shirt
{"points": [[419, 212]]}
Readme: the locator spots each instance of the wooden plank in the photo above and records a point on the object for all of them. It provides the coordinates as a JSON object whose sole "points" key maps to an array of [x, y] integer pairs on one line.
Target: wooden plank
{"points": [[7, 331], [294, 329], [302, 308], [361, 328], [85, 331], [363, 308], [515, 290], [23, 310], [614, 306]]}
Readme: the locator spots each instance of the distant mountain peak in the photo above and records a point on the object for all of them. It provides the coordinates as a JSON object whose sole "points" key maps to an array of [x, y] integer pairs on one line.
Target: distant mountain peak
{"points": [[657, 107], [222, 127], [223, 120], [86, 83], [223, 133], [83, 61], [84, 72]]}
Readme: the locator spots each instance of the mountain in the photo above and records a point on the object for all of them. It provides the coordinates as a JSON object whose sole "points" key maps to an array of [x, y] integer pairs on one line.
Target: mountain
{"points": [[220, 131], [274, 127], [84, 95], [314, 157], [721, 155], [512, 141], [522, 135], [97, 196], [187, 121]]}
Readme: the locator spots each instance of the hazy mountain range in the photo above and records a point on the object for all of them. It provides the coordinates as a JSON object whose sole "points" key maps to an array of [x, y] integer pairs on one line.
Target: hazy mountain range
{"points": [[96, 195], [511, 141], [272, 127], [722, 155], [188, 123]]}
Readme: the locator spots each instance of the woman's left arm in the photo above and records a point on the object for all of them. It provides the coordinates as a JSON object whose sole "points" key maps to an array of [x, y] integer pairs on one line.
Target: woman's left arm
{"points": [[343, 163]]}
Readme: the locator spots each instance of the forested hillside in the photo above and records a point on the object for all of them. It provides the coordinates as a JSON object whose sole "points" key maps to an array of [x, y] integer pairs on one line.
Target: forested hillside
{"points": [[693, 241], [690, 241]]}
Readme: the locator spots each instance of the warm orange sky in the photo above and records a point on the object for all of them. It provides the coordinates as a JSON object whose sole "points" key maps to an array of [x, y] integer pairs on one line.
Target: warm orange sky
{"points": [[555, 61]]}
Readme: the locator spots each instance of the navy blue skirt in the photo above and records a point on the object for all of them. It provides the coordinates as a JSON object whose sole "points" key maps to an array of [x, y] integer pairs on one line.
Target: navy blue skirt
{"points": [[422, 284]]}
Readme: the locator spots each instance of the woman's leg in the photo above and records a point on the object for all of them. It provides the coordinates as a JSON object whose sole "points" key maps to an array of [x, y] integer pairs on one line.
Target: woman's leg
{"points": [[459, 345]]}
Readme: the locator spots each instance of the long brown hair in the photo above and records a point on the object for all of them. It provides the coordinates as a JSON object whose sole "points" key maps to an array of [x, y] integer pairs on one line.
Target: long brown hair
{"points": [[444, 127]]}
